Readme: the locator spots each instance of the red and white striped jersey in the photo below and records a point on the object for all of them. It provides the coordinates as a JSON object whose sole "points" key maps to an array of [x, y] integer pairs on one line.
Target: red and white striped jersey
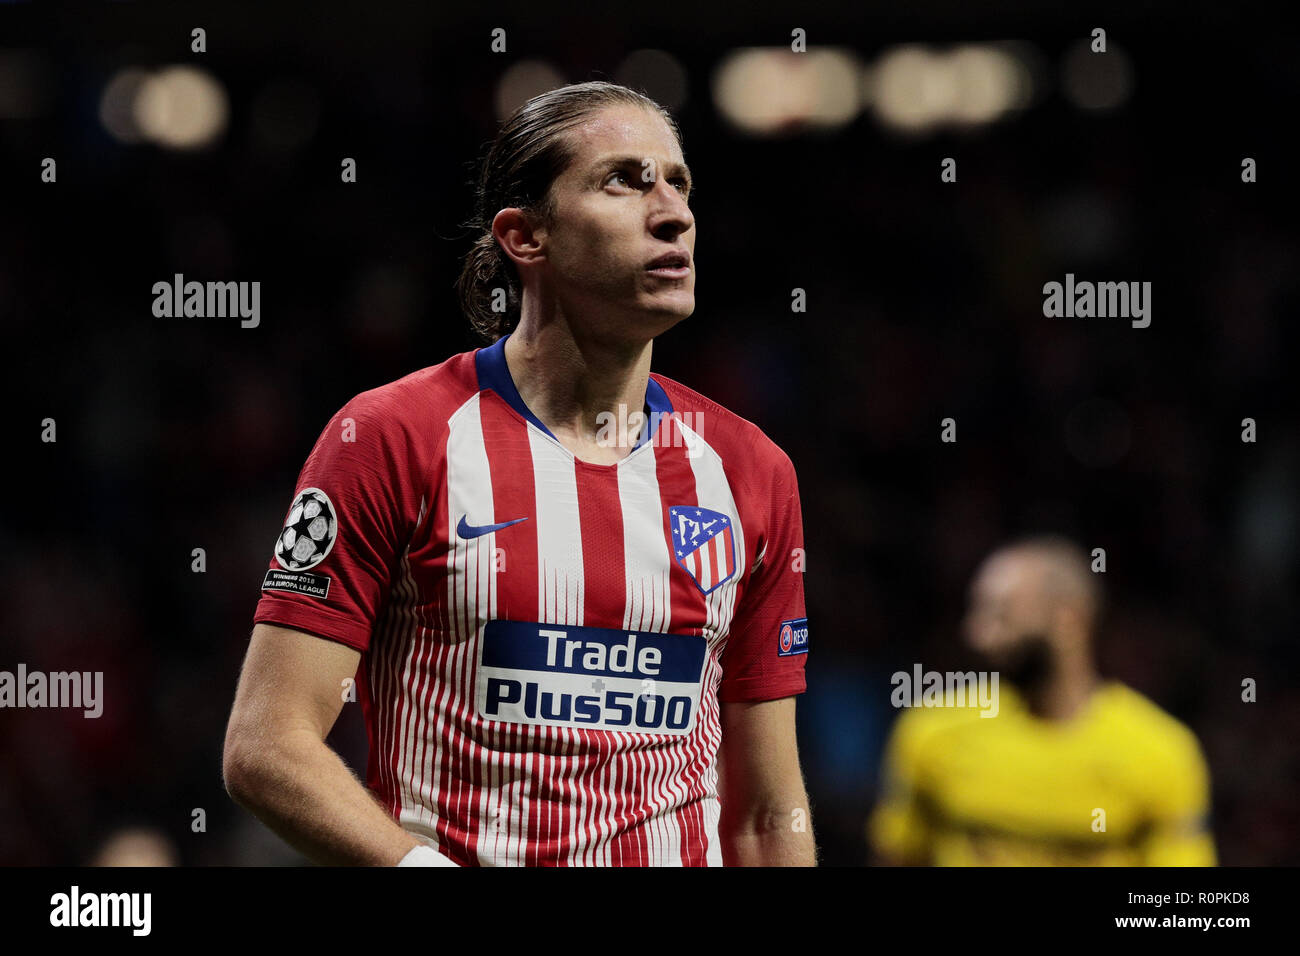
{"points": [[546, 642]]}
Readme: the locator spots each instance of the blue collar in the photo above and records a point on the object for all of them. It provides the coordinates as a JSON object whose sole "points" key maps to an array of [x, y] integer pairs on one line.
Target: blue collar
{"points": [[494, 374]]}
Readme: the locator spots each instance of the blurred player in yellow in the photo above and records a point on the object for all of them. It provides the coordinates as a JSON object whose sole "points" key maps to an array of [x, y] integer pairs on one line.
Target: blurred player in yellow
{"points": [[1072, 770]]}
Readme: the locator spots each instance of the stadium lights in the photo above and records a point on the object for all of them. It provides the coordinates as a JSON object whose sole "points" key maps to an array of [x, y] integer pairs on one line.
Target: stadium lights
{"points": [[178, 107], [765, 90], [1096, 81], [659, 74], [521, 82], [915, 89], [911, 88]]}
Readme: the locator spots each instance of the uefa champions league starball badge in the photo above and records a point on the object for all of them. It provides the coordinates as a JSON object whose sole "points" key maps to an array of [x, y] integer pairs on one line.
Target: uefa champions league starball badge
{"points": [[309, 531]]}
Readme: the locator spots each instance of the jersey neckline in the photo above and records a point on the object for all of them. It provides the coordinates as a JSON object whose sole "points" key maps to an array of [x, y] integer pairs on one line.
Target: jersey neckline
{"points": [[494, 374]]}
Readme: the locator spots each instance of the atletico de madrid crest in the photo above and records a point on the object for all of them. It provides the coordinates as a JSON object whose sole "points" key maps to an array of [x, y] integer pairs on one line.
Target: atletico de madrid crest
{"points": [[703, 544]]}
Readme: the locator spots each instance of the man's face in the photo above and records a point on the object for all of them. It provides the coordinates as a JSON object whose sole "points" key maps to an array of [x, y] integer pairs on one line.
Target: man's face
{"points": [[620, 205], [1010, 615]]}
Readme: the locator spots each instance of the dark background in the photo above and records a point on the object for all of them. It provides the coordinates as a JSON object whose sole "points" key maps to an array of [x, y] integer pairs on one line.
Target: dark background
{"points": [[924, 302]]}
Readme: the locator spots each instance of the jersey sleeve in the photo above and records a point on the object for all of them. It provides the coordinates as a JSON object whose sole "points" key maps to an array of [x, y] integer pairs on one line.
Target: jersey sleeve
{"points": [[1179, 834], [354, 509], [767, 647]]}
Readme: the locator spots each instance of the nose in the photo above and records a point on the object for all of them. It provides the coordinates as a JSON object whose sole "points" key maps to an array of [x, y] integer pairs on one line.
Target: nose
{"points": [[670, 216]]}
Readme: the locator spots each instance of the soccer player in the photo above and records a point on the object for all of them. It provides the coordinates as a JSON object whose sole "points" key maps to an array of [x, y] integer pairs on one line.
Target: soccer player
{"points": [[570, 590], [1072, 770]]}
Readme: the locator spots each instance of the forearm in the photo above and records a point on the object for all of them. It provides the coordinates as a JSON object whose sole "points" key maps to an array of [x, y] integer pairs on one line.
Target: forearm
{"points": [[765, 817], [300, 788], [779, 837]]}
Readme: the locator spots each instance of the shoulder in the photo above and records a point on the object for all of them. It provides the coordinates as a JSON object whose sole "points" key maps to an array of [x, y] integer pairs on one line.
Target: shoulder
{"points": [[1123, 704], [1154, 737], [742, 446], [401, 423], [919, 731], [433, 393]]}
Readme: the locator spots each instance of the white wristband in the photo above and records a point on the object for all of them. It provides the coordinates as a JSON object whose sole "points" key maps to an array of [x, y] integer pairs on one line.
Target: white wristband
{"points": [[425, 856]]}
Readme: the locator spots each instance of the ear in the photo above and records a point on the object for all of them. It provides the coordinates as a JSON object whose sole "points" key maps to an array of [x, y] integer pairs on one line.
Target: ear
{"points": [[517, 236]]}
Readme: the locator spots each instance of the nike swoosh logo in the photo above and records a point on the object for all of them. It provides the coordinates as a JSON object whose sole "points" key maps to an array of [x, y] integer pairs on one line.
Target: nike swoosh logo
{"points": [[467, 530]]}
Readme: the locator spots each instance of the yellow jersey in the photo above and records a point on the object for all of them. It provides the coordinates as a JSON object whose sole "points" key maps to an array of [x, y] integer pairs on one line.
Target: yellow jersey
{"points": [[1121, 783]]}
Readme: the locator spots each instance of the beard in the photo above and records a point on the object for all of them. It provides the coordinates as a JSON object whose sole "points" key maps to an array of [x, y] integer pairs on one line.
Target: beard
{"points": [[1028, 664]]}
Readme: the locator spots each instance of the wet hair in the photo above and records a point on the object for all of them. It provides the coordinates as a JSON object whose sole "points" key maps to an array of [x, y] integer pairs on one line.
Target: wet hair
{"points": [[529, 153]]}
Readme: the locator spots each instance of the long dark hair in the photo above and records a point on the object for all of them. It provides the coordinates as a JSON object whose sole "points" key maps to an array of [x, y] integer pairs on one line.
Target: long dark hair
{"points": [[529, 152]]}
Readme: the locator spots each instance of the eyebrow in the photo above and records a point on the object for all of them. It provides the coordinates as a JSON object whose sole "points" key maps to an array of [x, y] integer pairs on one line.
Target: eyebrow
{"points": [[672, 169]]}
